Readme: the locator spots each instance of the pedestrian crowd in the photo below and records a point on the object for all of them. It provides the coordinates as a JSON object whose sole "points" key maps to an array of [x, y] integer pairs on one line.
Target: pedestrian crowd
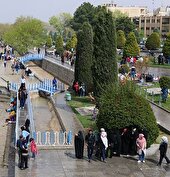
{"points": [[125, 142], [26, 146]]}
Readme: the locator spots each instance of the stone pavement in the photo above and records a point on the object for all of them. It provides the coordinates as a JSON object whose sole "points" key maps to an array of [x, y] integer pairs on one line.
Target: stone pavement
{"points": [[3, 134], [62, 163], [162, 117]]}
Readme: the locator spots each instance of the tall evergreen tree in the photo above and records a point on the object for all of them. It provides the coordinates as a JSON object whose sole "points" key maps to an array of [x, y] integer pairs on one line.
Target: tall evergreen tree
{"points": [[49, 41], [120, 39], [59, 44], [104, 56], [84, 13], [166, 47], [84, 56], [153, 41], [131, 46]]}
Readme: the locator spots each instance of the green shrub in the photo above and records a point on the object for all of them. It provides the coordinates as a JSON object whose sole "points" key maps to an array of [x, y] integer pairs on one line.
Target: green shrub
{"points": [[121, 107], [164, 82]]}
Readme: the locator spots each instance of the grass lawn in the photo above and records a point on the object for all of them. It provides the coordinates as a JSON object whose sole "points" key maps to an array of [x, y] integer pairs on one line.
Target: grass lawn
{"points": [[159, 66], [78, 102], [155, 98]]}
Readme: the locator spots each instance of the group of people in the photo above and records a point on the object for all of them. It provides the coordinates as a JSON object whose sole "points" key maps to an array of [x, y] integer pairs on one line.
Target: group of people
{"points": [[93, 142], [25, 146], [79, 89], [117, 143], [11, 111]]}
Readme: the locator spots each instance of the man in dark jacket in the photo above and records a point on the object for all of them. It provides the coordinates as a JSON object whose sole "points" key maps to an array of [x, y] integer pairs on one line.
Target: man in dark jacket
{"points": [[90, 142], [163, 149]]}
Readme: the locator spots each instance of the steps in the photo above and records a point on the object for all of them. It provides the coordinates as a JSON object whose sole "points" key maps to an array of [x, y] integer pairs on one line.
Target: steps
{"points": [[4, 95]]}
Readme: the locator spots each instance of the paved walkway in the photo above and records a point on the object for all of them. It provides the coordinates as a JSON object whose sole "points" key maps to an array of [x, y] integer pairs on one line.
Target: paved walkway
{"points": [[62, 163], [3, 134]]}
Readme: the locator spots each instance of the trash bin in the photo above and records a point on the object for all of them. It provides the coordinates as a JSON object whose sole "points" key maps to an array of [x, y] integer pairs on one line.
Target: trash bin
{"points": [[68, 96]]}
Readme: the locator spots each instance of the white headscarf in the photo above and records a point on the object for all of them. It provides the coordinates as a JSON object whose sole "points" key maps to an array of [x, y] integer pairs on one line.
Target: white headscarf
{"points": [[164, 139], [103, 136]]}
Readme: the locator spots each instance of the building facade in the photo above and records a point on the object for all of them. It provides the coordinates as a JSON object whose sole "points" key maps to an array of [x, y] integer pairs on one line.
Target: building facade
{"points": [[147, 22], [131, 11]]}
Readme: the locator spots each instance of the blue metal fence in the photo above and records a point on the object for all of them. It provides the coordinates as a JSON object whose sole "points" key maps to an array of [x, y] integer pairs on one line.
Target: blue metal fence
{"points": [[50, 138], [31, 57], [46, 86]]}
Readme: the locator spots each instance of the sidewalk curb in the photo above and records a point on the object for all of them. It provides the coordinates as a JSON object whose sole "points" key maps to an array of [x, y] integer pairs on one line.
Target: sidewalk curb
{"points": [[58, 115]]}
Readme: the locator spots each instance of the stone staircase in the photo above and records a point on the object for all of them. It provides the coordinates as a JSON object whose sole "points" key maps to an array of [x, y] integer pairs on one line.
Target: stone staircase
{"points": [[4, 95]]}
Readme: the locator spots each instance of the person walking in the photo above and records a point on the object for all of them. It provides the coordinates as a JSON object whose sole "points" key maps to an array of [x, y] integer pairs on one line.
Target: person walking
{"points": [[141, 147], [79, 145], [90, 142], [22, 98], [163, 149], [103, 143], [19, 148], [33, 148], [24, 157], [38, 50]]}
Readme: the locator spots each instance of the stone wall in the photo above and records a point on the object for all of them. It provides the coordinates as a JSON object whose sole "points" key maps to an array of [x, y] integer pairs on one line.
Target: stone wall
{"points": [[62, 73]]}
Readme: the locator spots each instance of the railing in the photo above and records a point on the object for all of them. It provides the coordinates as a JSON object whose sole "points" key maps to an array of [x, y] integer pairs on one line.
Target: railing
{"points": [[17, 121], [30, 115], [30, 57], [46, 85], [53, 138]]}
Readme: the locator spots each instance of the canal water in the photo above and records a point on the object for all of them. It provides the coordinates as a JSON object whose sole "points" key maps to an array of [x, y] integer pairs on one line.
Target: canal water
{"points": [[45, 118]]}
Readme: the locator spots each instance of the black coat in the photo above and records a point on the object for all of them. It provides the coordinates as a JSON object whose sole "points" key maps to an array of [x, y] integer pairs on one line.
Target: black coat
{"points": [[163, 148], [79, 145]]}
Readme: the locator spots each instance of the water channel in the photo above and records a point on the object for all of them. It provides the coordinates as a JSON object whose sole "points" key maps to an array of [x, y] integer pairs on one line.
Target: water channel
{"points": [[44, 115]]}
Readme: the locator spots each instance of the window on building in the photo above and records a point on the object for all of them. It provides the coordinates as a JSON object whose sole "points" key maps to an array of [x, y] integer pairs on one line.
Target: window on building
{"points": [[158, 20], [147, 28], [148, 21], [165, 21], [153, 20], [142, 21]]}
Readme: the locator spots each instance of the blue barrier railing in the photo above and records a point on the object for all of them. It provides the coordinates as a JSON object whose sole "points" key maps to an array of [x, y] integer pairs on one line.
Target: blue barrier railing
{"points": [[46, 86], [51, 138], [31, 57]]}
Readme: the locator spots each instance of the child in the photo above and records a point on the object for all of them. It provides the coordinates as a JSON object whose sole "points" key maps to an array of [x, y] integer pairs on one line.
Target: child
{"points": [[33, 147]]}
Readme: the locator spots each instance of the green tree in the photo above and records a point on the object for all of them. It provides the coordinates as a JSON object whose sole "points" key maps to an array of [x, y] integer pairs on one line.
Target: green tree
{"points": [[104, 56], [25, 34], [49, 41], [120, 39], [118, 14], [3, 29], [84, 54], [71, 43], [121, 107], [153, 41], [166, 47], [84, 13], [59, 45], [125, 24], [62, 24], [131, 46]]}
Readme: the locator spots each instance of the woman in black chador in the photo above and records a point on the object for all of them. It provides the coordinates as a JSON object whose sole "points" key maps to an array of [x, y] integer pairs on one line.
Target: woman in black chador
{"points": [[79, 145]]}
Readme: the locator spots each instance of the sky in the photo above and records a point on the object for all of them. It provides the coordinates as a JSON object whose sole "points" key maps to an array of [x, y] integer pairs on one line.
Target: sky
{"points": [[44, 9]]}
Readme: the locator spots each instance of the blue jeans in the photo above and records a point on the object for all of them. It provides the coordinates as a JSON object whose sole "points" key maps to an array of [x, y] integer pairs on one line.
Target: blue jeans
{"points": [[103, 153], [142, 156], [90, 152]]}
